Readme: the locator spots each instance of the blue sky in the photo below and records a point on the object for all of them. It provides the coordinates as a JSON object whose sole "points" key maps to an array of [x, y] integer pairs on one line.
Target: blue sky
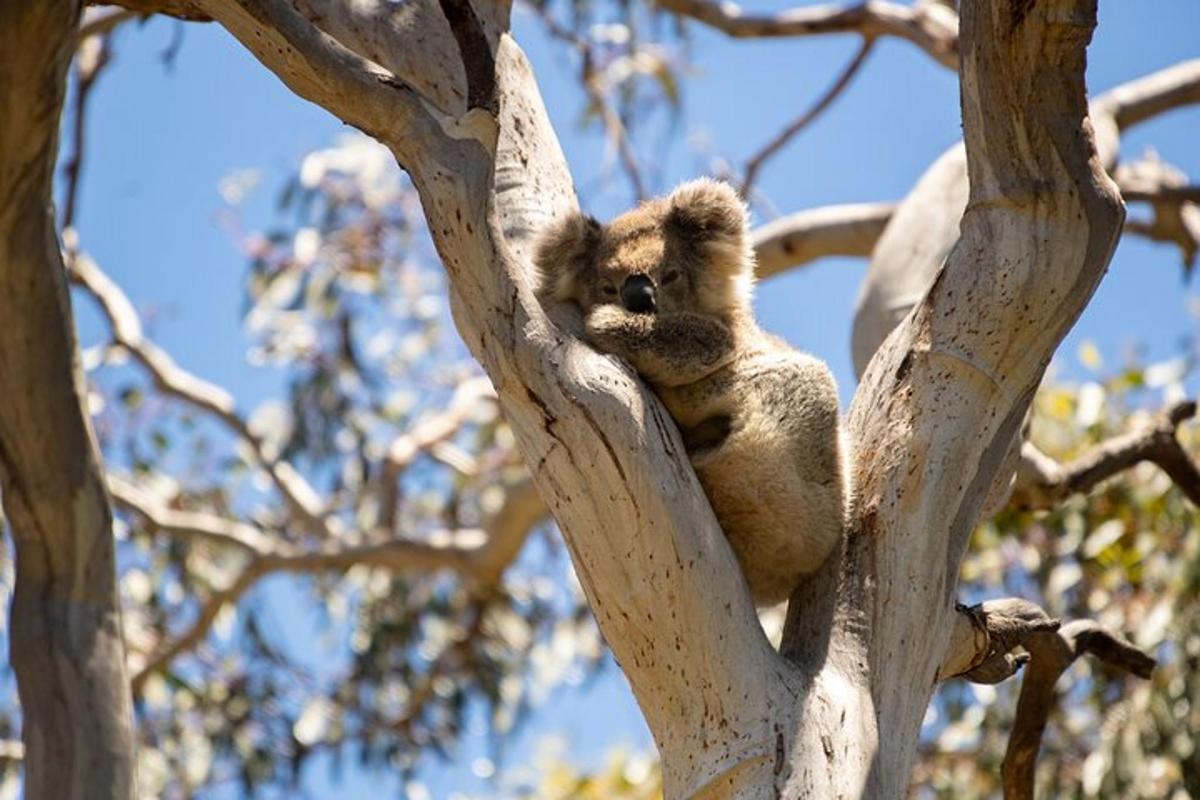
{"points": [[160, 140]]}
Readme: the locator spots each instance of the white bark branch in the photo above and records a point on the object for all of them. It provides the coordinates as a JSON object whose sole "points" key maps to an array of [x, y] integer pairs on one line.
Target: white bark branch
{"points": [[805, 236], [1155, 94], [854, 229], [478, 556], [930, 26], [174, 381], [943, 398], [925, 224]]}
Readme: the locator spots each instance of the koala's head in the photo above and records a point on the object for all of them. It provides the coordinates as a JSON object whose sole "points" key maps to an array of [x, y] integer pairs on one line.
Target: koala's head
{"points": [[684, 252]]}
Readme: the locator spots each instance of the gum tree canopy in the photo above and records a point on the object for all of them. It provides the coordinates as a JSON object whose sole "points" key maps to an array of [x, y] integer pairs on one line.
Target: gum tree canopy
{"points": [[975, 278]]}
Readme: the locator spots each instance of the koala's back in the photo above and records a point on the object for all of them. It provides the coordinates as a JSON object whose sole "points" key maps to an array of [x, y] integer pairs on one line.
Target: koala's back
{"points": [[775, 474]]}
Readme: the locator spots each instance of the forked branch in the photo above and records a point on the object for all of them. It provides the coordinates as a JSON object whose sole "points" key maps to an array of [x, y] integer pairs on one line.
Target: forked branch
{"points": [[993, 640], [1050, 654]]}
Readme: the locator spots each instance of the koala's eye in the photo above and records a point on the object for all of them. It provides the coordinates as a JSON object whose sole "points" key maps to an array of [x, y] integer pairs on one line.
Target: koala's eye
{"points": [[611, 291], [670, 277]]}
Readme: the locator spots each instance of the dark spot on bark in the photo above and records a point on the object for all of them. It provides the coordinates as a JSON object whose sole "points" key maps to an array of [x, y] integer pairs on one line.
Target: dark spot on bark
{"points": [[779, 751], [548, 418]]}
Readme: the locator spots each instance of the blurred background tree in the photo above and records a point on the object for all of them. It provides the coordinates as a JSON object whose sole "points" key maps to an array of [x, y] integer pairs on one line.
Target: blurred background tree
{"points": [[338, 573]]}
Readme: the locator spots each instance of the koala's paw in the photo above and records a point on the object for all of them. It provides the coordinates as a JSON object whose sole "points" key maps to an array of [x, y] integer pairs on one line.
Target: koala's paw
{"points": [[612, 329]]}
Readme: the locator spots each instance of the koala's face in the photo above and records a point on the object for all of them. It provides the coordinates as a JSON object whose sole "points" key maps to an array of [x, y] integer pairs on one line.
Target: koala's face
{"points": [[685, 252]]}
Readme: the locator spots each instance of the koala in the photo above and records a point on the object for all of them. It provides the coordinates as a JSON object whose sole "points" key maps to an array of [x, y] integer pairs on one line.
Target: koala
{"points": [[667, 288]]}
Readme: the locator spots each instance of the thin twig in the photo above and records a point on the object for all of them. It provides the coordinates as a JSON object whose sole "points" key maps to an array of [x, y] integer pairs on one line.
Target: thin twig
{"points": [[92, 57], [755, 163], [593, 85]]}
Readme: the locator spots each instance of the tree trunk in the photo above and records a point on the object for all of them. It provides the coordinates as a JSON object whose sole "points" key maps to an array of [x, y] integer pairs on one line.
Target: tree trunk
{"points": [[941, 401], [837, 712], [66, 644]]}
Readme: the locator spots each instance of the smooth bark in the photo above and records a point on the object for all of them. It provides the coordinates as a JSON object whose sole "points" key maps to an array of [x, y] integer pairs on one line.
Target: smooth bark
{"points": [[66, 645]]}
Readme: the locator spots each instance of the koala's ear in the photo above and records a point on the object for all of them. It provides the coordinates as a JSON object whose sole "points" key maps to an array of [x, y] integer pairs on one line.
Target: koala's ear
{"points": [[561, 255], [709, 220], [708, 211]]}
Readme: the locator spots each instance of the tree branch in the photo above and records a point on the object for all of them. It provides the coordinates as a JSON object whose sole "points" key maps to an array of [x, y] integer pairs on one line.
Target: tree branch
{"points": [[97, 23], [1044, 483], [177, 382], [1050, 654], [482, 561], [1174, 204], [1152, 95], [930, 26], [984, 637], [593, 85], [805, 236], [756, 161], [855, 229], [985, 647], [320, 69], [188, 524], [925, 224]]}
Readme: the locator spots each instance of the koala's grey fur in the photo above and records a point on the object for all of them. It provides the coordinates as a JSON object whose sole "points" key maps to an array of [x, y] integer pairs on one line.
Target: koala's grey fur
{"points": [[759, 418]]}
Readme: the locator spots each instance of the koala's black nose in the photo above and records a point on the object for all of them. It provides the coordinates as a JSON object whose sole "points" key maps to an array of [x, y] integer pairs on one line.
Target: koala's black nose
{"points": [[637, 294]]}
